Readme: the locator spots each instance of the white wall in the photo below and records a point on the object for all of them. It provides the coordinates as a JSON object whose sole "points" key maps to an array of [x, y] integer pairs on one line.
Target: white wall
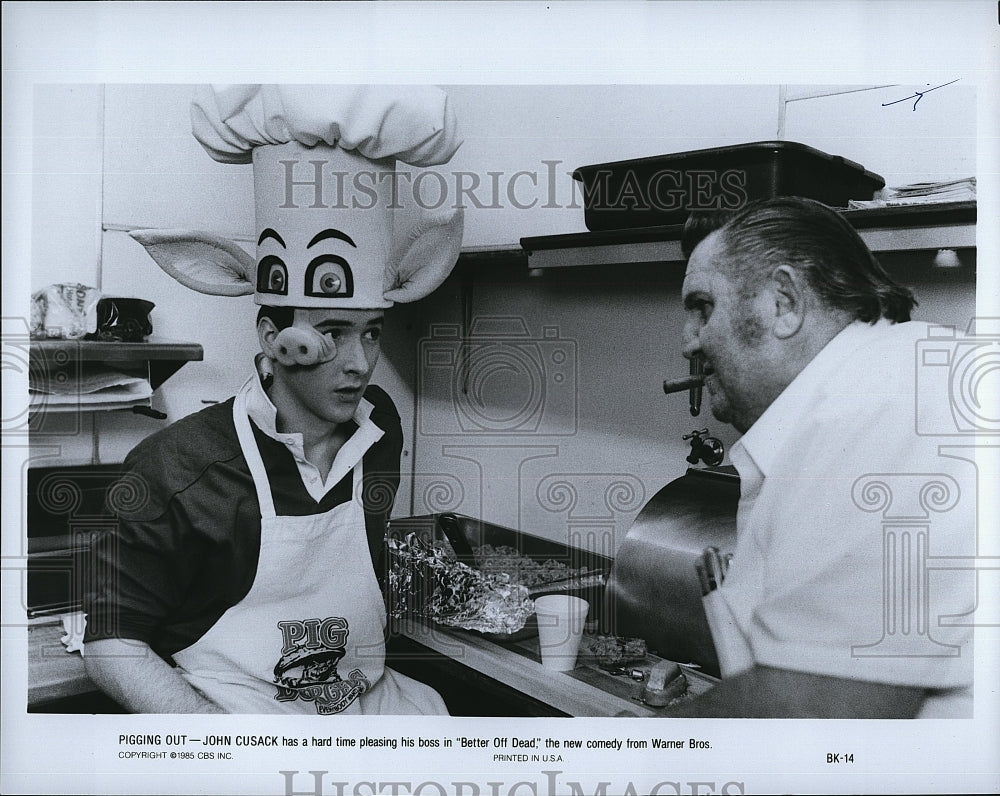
{"points": [[905, 143], [510, 129], [157, 175], [66, 184]]}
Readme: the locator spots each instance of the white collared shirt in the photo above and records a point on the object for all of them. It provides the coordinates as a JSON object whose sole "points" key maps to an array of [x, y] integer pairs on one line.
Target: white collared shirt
{"points": [[264, 415], [816, 547]]}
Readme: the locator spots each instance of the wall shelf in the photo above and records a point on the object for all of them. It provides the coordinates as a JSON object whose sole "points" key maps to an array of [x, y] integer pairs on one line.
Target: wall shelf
{"points": [[889, 229], [69, 377], [164, 357]]}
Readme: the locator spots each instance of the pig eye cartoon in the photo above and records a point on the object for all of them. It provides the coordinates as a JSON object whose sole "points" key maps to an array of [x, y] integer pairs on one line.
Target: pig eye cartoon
{"points": [[272, 276], [329, 275]]}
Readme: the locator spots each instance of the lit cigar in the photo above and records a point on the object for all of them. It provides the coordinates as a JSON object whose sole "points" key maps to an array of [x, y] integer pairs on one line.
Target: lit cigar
{"points": [[677, 385]]}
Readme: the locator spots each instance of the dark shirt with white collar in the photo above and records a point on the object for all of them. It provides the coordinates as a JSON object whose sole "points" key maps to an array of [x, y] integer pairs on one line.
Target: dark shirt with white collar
{"points": [[186, 543]]}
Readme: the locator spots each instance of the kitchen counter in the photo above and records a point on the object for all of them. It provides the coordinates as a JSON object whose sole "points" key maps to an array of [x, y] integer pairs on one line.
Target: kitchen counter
{"points": [[55, 674], [586, 690]]}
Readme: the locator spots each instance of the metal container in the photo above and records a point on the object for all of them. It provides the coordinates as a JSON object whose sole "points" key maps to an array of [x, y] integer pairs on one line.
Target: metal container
{"points": [[653, 590]]}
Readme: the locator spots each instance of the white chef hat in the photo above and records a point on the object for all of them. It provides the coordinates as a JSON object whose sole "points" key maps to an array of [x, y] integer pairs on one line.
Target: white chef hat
{"points": [[330, 230]]}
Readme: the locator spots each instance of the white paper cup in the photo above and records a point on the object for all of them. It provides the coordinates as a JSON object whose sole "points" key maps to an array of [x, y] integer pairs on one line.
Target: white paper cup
{"points": [[560, 625]]}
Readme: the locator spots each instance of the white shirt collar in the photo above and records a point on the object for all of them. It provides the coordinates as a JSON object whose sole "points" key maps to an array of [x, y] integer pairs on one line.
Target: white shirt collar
{"points": [[761, 442], [265, 415]]}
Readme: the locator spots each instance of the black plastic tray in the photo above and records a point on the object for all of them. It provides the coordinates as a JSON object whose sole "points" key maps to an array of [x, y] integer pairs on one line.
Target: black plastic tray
{"points": [[664, 189]]}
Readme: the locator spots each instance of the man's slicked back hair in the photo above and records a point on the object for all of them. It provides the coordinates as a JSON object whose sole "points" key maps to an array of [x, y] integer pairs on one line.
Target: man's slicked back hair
{"points": [[817, 241]]}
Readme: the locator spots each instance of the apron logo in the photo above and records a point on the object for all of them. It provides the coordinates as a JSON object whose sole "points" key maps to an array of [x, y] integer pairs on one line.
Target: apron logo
{"points": [[307, 670]]}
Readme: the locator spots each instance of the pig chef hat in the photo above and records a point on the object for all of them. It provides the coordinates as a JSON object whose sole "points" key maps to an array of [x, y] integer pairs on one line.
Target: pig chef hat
{"points": [[331, 228]]}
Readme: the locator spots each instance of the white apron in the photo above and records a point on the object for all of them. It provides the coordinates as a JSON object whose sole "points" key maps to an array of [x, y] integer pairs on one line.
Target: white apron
{"points": [[309, 635]]}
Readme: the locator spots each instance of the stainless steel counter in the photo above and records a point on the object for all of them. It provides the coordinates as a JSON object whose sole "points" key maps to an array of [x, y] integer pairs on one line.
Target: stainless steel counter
{"points": [[586, 690]]}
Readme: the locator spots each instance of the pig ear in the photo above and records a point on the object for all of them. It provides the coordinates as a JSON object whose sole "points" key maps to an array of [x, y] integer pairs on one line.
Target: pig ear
{"points": [[424, 254], [201, 261]]}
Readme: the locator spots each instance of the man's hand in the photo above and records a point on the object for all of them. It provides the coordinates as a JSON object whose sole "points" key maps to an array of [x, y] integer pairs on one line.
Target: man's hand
{"points": [[139, 680], [764, 692]]}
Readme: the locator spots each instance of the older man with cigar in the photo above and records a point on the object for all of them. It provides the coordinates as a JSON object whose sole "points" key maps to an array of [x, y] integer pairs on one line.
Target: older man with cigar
{"points": [[808, 350]]}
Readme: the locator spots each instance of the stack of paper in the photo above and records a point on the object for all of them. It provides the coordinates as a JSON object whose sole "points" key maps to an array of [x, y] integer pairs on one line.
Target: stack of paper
{"points": [[94, 388], [961, 190]]}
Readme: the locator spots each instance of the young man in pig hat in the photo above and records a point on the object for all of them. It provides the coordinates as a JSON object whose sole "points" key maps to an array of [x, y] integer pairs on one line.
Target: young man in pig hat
{"points": [[244, 580]]}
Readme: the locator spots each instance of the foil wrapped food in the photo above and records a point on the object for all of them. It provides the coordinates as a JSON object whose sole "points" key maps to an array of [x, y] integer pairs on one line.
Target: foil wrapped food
{"points": [[423, 580], [498, 559]]}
